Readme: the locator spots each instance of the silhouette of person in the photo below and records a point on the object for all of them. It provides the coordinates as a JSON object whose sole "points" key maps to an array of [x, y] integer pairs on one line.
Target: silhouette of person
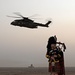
{"points": [[55, 56]]}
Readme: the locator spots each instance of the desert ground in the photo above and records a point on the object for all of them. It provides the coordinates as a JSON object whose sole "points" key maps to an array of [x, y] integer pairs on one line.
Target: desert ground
{"points": [[31, 71]]}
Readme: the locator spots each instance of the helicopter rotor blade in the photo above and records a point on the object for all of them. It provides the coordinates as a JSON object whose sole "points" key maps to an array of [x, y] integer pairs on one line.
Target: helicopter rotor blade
{"points": [[36, 18], [13, 16], [49, 19], [17, 13], [33, 15]]}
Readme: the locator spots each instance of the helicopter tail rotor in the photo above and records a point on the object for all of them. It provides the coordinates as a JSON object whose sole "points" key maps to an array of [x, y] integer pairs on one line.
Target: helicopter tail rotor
{"points": [[48, 23], [49, 19]]}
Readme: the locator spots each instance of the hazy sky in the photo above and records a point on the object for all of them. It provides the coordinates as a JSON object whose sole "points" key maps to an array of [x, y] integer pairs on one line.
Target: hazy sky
{"points": [[20, 47]]}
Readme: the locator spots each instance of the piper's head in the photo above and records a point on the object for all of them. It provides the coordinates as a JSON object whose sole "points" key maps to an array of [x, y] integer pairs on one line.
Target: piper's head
{"points": [[53, 46]]}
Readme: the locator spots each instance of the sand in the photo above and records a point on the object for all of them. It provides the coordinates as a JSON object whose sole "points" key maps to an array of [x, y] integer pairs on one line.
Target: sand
{"points": [[31, 71]]}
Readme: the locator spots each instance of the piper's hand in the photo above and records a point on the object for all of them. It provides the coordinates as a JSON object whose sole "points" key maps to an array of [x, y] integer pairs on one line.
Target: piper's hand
{"points": [[55, 55], [52, 57]]}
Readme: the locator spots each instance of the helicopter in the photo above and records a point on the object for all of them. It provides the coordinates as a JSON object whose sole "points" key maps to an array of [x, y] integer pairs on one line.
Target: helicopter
{"points": [[26, 22]]}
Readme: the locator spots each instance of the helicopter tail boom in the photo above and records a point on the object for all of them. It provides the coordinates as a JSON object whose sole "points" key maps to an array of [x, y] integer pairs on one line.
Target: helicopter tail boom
{"points": [[43, 25]]}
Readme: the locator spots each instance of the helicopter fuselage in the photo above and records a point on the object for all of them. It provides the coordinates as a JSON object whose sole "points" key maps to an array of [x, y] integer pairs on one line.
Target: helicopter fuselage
{"points": [[28, 23], [24, 23]]}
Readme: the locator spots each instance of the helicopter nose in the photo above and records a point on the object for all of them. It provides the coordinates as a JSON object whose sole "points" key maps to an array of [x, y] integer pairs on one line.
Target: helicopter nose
{"points": [[12, 23], [50, 21]]}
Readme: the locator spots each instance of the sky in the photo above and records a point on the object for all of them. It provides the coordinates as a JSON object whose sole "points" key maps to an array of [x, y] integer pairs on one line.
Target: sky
{"points": [[21, 47]]}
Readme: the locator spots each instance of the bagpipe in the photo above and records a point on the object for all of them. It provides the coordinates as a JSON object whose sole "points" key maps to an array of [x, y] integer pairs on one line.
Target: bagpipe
{"points": [[62, 46], [59, 45]]}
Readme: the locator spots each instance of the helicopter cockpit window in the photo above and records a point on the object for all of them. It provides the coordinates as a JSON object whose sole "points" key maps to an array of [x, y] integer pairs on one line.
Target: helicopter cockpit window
{"points": [[14, 21]]}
